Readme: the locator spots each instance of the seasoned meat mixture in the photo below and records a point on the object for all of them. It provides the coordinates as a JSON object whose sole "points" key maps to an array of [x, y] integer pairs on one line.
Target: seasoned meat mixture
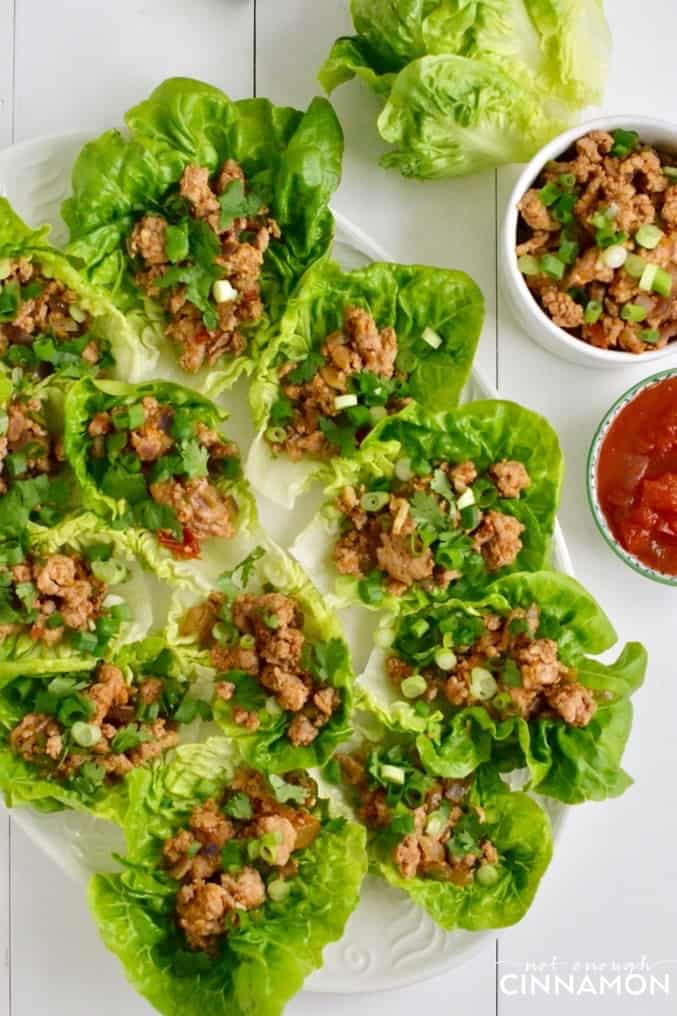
{"points": [[597, 242], [330, 400], [441, 837], [150, 452], [499, 662], [425, 530], [202, 261], [89, 730], [238, 851], [260, 638], [43, 329]]}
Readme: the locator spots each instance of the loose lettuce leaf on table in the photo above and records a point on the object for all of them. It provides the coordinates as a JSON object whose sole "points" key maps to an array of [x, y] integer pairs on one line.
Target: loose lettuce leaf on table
{"points": [[260, 965], [292, 157], [408, 298], [486, 432]]}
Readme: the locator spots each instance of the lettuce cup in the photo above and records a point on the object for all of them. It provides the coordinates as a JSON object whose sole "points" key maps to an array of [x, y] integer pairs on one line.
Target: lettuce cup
{"points": [[278, 658], [71, 739], [152, 459], [352, 348], [202, 221], [69, 595], [470, 851], [435, 507], [510, 680], [232, 885]]}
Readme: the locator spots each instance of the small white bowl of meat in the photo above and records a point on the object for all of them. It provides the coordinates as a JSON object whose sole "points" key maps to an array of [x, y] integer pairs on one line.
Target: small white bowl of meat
{"points": [[590, 243]]}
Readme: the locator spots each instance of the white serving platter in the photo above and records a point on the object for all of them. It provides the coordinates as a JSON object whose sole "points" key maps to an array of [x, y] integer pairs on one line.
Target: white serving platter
{"points": [[388, 941]]}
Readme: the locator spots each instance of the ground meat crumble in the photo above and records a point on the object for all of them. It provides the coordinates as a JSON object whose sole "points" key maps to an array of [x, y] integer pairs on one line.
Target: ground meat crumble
{"points": [[235, 853], [27, 449], [597, 242], [205, 333], [388, 533], [267, 643]]}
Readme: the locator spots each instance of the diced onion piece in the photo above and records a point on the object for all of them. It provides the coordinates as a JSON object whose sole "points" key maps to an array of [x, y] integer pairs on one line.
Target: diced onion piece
{"points": [[77, 313], [384, 637], [374, 500], [403, 470], [413, 686], [482, 684], [634, 266], [344, 402], [393, 774], [445, 659], [466, 499], [432, 338], [649, 236], [615, 256], [378, 413], [648, 277], [223, 292]]}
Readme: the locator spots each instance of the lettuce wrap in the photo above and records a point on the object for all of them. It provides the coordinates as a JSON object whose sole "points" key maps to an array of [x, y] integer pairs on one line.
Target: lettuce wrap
{"points": [[258, 955], [151, 459], [472, 84], [436, 315], [470, 852], [70, 739], [214, 173], [70, 594], [436, 507], [277, 656], [53, 322], [511, 679]]}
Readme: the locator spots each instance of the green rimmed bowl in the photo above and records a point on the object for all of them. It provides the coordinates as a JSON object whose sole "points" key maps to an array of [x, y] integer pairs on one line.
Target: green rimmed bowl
{"points": [[593, 498]]}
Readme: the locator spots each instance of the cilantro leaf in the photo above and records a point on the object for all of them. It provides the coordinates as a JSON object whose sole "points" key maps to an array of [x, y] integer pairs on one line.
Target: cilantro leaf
{"points": [[225, 582], [426, 512], [440, 484], [194, 458], [306, 369], [285, 792], [10, 298], [281, 411], [239, 806], [235, 204], [328, 657], [176, 241], [343, 438]]}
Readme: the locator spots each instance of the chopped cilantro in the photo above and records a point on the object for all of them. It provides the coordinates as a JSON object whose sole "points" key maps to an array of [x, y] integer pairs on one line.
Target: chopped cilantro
{"points": [[285, 792], [235, 204], [305, 370], [239, 806]]}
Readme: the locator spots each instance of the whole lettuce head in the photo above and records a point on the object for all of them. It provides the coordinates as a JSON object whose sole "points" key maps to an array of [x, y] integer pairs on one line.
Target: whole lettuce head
{"points": [[471, 84], [121, 351], [290, 157], [567, 762], [261, 963], [414, 300]]}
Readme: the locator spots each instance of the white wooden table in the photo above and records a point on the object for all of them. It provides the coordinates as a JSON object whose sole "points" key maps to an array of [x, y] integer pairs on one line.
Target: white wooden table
{"points": [[611, 892]]}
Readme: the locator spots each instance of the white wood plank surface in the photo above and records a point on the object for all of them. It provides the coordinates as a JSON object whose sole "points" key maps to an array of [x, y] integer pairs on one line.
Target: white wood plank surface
{"points": [[611, 891]]}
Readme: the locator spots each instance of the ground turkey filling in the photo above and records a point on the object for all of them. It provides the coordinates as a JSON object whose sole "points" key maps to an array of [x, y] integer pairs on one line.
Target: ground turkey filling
{"points": [[445, 840], [269, 646], [49, 597], [400, 533], [235, 853], [506, 668], [309, 418], [597, 242], [111, 742], [199, 507], [27, 449], [203, 327], [42, 324]]}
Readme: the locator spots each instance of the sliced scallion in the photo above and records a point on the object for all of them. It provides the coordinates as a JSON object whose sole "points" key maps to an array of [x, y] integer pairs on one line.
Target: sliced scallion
{"points": [[413, 686], [344, 402], [445, 659], [615, 256], [431, 338], [568, 251], [649, 236], [552, 266], [650, 336], [384, 637], [634, 266], [662, 283], [528, 265], [487, 875], [276, 435], [482, 684], [393, 774], [633, 312], [647, 278], [403, 470], [593, 312], [670, 172], [85, 734], [278, 890], [374, 500]]}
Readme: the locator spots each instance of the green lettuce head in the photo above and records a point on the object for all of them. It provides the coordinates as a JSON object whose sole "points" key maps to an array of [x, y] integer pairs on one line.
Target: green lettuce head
{"points": [[510, 679], [266, 954], [433, 507], [436, 315], [152, 460], [277, 656], [70, 739], [472, 85], [470, 852], [69, 595], [39, 339], [291, 163]]}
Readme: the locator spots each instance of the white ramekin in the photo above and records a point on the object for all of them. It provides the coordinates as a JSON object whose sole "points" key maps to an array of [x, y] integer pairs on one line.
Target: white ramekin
{"points": [[525, 308]]}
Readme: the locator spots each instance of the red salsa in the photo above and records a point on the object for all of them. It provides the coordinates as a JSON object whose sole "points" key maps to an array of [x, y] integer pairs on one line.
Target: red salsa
{"points": [[637, 476]]}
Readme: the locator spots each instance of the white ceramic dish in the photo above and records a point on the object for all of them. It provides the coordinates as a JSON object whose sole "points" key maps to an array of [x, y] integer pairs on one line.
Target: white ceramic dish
{"points": [[526, 310], [388, 942]]}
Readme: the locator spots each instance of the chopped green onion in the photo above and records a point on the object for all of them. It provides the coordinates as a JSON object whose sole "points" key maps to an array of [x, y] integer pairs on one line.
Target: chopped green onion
{"points": [[670, 172], [393, 774], [593, 312], [650, 336], [5, 268], [568, 251], [466, 499], [272, 706], [247, 641], [432, 338], [437, 821], [384, 637], [413, 686], [276, 435], [549, 194], [445, 659], [634, 266], [615, 256], [567, 181], [487, 875], [470, 518], [625, 142], [403, 470], [528, 265], [378, 413], [278, 890], [552, 266], [344, 402], [647, 278], [633, 312], [501, 701], [662, 283], [374, 500], [77, 313], [85, 734], [482, 684], [649, 236]]}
